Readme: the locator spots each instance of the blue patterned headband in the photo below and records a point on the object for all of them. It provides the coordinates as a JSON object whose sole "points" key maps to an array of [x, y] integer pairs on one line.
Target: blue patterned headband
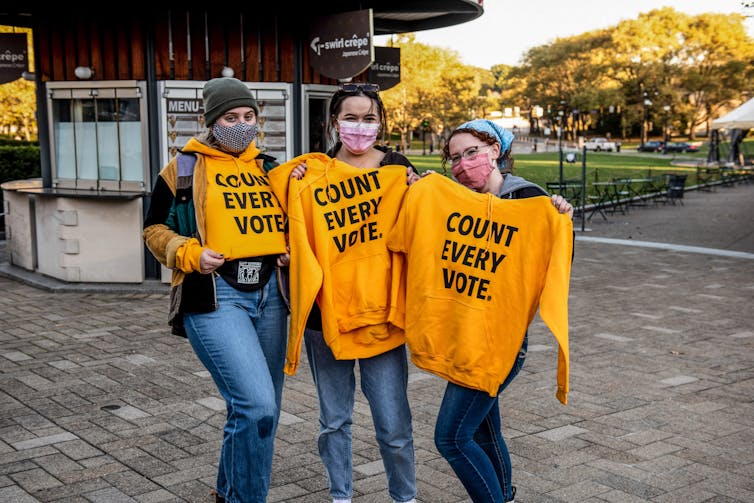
{"points": [[502, 135]]}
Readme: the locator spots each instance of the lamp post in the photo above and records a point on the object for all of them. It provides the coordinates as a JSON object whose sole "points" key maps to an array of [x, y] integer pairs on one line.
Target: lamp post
{"points": [[665, 130], [425, 126], [644, 118], [646, 102], [560, 149], [576, 124]]}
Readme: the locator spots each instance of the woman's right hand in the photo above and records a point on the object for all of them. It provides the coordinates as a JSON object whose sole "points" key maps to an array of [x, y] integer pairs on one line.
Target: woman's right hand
{"points": [[299, 171], [562, 205], [210, 260], [411, 176], [284, 259]]}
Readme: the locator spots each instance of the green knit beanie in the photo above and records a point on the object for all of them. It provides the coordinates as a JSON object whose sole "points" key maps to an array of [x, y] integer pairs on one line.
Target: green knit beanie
{"points": [[224, 93]]}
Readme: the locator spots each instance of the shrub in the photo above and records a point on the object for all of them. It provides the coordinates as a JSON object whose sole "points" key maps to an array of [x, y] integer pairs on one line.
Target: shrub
{"points": [[19, 160]]}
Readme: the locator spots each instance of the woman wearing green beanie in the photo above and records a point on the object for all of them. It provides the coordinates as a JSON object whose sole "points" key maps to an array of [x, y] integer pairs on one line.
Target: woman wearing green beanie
{"points": [[214, 221]]}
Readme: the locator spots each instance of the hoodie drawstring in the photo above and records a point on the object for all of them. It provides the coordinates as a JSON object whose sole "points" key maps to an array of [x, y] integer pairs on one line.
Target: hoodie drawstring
{"points": [[489, 222]]}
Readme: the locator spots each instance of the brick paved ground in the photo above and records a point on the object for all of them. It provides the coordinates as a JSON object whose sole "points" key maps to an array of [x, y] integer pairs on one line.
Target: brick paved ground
{"points": [[98, 403]]}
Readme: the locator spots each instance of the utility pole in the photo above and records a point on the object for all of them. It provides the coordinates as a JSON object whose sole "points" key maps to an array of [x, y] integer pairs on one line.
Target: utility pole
{"points": [[560, 150], [665, 136], [425, 126], [644, 117]]}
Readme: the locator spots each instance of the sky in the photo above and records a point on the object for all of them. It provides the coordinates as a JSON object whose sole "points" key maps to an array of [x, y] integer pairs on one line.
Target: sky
{"points": [[508, 28]]}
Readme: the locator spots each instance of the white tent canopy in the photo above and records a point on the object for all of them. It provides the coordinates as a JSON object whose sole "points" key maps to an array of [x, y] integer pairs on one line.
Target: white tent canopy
{"points": [[738, 118]]}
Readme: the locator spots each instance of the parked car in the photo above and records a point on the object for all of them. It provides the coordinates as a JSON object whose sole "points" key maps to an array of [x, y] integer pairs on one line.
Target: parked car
{"points": [[600, 144], [651, 146], [682, 146]]}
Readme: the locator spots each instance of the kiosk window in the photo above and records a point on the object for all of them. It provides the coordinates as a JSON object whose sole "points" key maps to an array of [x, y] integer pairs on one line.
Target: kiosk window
{"points": [[97, 138]]}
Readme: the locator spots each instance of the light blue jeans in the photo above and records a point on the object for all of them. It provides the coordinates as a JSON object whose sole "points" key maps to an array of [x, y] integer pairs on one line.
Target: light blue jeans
{"points": [[384, 381], [242, 344], [469, 437]]}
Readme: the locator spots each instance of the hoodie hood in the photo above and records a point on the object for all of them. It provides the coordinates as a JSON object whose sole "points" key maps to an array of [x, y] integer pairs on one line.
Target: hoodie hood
{"points": [[195, 146], [512, 183]]}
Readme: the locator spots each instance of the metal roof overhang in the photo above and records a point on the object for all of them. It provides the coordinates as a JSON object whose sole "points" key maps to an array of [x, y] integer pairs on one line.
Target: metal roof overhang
{"points": [[390, 16]]}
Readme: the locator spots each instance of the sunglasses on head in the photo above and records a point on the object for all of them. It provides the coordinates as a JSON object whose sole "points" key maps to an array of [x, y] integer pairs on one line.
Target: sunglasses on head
{"points": [[356, 87]]}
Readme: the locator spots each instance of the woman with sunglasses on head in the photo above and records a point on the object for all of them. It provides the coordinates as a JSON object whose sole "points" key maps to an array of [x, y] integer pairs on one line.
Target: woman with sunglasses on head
{"points": [[356, 118], [468, 430]]}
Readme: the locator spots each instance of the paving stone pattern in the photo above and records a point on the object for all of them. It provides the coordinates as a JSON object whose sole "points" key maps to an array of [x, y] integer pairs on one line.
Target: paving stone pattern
{"points": [[99, 403]]}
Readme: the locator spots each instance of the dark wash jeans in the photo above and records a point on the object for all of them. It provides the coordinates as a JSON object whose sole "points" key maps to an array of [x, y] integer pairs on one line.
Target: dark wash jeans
{"points": [[469, 437]]}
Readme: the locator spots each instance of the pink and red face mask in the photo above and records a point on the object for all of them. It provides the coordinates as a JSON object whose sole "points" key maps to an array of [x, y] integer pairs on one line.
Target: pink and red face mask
{"points": [[474, 170]]}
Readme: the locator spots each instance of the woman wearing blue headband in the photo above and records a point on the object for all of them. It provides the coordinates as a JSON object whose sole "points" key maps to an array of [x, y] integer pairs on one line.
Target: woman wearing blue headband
{"points": [[468, 431]]}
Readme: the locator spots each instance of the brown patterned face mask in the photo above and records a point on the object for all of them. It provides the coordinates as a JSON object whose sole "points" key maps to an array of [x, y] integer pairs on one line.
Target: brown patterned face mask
{"points": [[235, 138]]}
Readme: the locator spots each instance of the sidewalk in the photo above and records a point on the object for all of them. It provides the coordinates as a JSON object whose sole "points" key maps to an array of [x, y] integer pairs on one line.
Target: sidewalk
{"points": [[722, 218], [99, 403]]}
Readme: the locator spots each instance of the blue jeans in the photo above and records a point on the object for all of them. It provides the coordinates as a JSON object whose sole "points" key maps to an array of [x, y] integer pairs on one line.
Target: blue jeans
{"points": [[242, 344], [469, 437], [384, 381]]}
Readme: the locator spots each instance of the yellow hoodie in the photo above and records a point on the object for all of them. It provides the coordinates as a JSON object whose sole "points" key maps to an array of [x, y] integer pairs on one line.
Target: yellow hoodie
{"points": [[339, 217], [230, 193], [477, 268], [247, 220]]}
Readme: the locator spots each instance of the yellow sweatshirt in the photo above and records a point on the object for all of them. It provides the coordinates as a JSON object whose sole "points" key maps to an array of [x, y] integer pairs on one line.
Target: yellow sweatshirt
{"points": [[477, 267], [339, 217], [236, 212], [247, 220]]}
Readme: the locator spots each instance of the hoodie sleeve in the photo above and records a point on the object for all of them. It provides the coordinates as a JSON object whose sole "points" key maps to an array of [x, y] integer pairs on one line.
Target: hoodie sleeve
{"points": [[169, 247], [306, 274], [396, 243], [159, 234], [553, 306], [280, 178]]}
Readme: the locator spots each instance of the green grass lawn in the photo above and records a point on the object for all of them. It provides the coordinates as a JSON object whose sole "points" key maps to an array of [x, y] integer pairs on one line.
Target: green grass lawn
{"points": [[541, 168]]}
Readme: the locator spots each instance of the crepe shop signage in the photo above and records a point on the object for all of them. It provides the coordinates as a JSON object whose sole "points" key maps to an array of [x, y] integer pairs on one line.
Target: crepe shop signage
{"points": [[14, 60], [340, 46]]}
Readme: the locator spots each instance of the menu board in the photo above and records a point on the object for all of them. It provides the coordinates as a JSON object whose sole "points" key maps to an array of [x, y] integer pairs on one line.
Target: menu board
{"points": [[184, 118]]}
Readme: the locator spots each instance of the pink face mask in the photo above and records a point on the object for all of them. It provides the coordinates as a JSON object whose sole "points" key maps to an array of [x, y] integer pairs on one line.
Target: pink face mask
{"points": [[473, 173], [358, 137]]}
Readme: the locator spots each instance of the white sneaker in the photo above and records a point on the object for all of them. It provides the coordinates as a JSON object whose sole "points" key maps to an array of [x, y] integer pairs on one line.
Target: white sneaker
{"points": [[337, 500], [409, 501]]}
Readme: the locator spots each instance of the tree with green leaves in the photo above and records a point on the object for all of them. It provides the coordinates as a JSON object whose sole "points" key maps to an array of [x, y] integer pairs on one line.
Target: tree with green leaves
{"points": [[435, 86], [18, 101], [696, 65]]}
